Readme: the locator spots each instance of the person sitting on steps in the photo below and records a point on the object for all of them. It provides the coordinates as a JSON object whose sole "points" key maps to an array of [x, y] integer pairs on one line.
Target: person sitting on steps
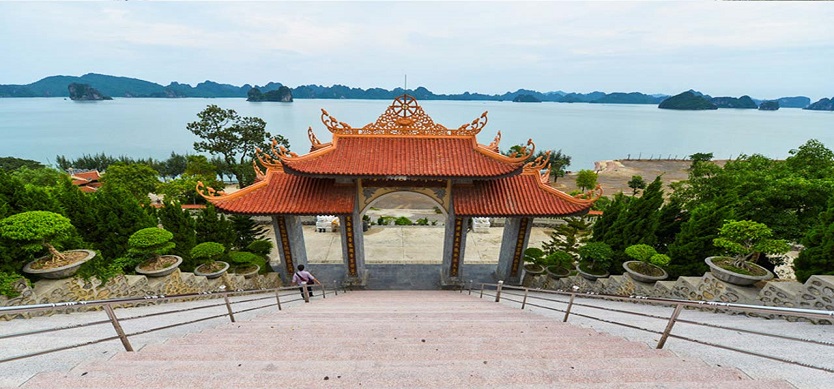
{"points": [[304, 276]]}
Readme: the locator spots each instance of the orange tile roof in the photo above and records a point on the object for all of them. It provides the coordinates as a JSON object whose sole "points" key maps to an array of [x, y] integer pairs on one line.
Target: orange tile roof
{"points": [[415, 157], [521, 195], [284, 194]]}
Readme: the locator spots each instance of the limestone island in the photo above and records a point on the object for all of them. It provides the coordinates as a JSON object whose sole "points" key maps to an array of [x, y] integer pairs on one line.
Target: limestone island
{"points": [[743, 102], [84, 92], [687, 101], [526, 99], [770, 105], [825, 104], [282, 94]]}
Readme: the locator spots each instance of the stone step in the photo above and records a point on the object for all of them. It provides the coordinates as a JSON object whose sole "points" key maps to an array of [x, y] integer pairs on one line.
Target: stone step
{"points": [[193, 374]]}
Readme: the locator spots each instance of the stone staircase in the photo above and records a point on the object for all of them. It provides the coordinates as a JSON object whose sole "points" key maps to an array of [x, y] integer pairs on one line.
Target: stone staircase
{"points": [[399, 339]]}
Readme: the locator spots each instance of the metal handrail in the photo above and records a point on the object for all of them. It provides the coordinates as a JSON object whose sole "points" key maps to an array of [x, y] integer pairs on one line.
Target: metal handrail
{"points": [[678, 305], [109, 304]]}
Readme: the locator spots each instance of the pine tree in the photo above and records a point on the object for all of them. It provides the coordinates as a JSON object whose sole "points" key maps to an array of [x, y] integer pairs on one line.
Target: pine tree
{"points": [[179, 222], [694, 242], [119, 215], [642, 217], [246, 231], [214, 227]]}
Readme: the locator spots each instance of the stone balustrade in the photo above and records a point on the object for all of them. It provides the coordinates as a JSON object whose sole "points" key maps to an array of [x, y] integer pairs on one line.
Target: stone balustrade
{"points": [[126, 286]]}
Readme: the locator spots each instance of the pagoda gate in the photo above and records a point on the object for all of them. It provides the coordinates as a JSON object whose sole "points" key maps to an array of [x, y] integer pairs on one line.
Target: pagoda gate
{"points": [[404, 150]]}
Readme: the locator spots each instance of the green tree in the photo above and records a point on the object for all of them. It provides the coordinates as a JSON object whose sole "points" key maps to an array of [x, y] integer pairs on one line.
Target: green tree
{"points": [[694, 242], [11, 163], [747, 240], [817, 257], [246, 231], [151, 242], [173, 166], [43, 176], [36, 230], [119, 215], [636, 183], [136, 178], [595, 257], [225, 133], [183, 227], [214, 227], [568, 236], [586, 179], [812, 160]]}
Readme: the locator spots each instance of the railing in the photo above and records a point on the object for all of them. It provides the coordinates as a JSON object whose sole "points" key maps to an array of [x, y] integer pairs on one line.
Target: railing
{"points": [[501, 291], [276, 296]]}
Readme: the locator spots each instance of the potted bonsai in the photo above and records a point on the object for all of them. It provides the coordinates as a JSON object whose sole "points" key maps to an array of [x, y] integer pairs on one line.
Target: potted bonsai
{"points": [[558, 264], [246, 264], [647, 263], [209, 253], [152, 245], [595, 257], [746, 241], [38, 230], [534, 265]]}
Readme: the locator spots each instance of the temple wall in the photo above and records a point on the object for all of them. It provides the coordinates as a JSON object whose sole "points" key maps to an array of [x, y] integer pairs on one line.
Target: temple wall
{"points": [[127, 286]]}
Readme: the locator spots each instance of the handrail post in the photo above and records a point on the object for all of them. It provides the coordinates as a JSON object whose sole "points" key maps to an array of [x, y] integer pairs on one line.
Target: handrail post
{"points": [[498, 291], [323, 291], [229, 307], [482, 290], [305, 292], [570, 305], [524, 302], [278, 297], [470, 287], [336, 287], [669, 326], [117, 326]]}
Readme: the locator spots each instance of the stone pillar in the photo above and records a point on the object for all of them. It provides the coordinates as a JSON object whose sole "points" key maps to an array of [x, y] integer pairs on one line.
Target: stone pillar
{"points": [[513, 244], [454, 247], [353, 248], [289, 237]]}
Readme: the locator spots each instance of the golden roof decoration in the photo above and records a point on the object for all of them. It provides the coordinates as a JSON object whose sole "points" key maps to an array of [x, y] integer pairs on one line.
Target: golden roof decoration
{"points": [[259, 174], [207, 191], [494, 145], [315, 143], [403, 117], [592, 195]]}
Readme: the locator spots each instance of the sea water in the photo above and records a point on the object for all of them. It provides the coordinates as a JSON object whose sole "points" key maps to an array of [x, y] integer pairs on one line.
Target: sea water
{"points": [[42, 128]]}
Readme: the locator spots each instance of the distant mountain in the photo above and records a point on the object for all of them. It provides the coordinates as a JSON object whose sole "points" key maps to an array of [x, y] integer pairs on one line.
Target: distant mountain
{"points": [[628, 98], [526, 99], [282, 94], [794, 102], [824, 104], [688, 101], [770, 105], [743, 102]]}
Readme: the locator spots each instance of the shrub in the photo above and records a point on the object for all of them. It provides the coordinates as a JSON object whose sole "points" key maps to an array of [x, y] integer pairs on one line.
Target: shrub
{"points": [[597, 256], [261, 247], [37, 230], [208, 252], [403, 221], [150, 242], [747, 240]]}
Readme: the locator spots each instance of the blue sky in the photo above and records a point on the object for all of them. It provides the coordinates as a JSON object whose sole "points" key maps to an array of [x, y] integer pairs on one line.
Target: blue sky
{"points": [[764, 49]]}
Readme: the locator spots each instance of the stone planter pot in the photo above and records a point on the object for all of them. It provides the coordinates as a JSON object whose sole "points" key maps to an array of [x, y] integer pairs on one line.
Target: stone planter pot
{"points": [[249, 274], [589, 276], [555, 274], [531, 271], [733, 277], [216, 274], [60, 272], [637, 276], [161, 272]]}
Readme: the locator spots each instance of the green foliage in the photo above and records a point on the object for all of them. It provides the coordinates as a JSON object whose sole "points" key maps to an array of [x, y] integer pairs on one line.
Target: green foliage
{"points": [[225, 133], [812, 160], [597, 256], [42, 177], [244, 258], [7, 284], [640, 252], [36, 229], [11, 163], [214, 227], [138, 179], [534, 255], [118, 215], [99, 162], [586, 179], [103, 269], [422, 222], [180, 223], [816, 257], [402, 221], [150, 242], [208, 252], [568, 236], [559, 259], [246, 231], [747, 240], [636, 183], [261, 247], [173, 166]]}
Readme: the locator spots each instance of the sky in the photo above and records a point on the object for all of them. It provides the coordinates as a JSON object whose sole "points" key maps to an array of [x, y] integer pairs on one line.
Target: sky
{"points": [[761, 49]]}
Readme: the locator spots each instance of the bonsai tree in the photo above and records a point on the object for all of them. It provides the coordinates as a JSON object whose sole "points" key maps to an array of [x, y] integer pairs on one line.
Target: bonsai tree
{"points": [[559, 262], [245, 261], [36, 230], [746, 240], [209, 253], [648, 257], [261, 247], [595, 257], [151, 242], [534, 257]]}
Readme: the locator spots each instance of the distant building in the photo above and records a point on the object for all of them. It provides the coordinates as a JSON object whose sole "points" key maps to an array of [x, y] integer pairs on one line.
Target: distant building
{"points": [[88, 181]]}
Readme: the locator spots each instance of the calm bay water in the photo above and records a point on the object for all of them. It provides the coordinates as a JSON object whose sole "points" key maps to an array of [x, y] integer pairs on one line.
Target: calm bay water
{"points": [[41, 128]]}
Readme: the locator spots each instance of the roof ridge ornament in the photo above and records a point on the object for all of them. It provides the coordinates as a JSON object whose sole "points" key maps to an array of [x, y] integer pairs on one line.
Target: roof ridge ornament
{"points": [[404, 117], [523, 153], [315, 143], [208, 192], [494, 145]]}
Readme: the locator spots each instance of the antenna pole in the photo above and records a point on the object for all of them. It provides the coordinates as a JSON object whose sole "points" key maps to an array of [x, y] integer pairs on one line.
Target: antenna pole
{"points": [[405, 83]]}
